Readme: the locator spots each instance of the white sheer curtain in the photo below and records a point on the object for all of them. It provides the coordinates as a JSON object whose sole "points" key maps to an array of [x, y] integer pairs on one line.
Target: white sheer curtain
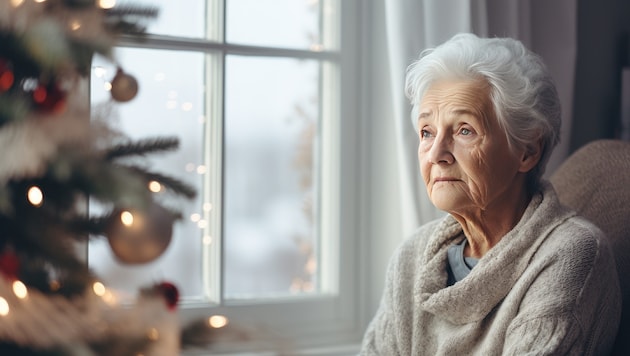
{"points": [[400, 30], [411, 26]]}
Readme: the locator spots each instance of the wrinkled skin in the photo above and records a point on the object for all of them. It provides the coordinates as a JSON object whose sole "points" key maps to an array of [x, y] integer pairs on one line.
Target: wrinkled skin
{"points": [[467, 165]]}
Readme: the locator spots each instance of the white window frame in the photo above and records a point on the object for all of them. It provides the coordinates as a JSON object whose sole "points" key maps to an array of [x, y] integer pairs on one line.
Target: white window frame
{"points": [[323, 324]]}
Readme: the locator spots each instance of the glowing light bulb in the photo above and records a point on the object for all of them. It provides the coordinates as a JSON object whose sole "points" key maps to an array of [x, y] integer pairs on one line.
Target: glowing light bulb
{"points": [[207, 207], [106, 4], [207, 240], [155, 187], [75, 25], [99, 289], [195, 217], [107, 86], [308, 287], [153, 334], [201, 169], [99, 71], [110, 298], [316, 47], [16, 3], [4, 307], [35, 196], [187, 106], [311, 266], [126, 218], [19, 289], [217, 321], [171, 104]]}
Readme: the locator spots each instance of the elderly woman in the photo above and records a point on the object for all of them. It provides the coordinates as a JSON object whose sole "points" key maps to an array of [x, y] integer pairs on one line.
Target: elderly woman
{"points": [[509, 270]]}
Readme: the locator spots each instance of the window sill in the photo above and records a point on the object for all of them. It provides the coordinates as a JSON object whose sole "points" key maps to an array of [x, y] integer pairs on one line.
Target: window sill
{"points": [[336, 350]]}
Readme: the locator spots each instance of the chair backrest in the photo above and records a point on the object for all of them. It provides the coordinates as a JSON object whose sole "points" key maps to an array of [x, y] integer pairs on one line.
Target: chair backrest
{"points": [[595, 181]]}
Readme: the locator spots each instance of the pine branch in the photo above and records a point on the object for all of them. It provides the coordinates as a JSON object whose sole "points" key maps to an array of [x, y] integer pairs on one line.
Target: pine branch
{"points": [[127, 18], [46, 249], [171, 183], [124, 10], [84, 227], [116, 184], [83, 51], [14, 49], [79, 4], [75, 172], [13, 107], [142, 147]]}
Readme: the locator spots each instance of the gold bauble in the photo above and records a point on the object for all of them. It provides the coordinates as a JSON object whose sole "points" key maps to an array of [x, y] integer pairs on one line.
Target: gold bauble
{"points": [[137, 237], [124, 87]]}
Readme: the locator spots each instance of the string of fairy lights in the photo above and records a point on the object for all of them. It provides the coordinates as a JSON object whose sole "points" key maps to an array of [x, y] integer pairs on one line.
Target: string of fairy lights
{"points": [[35, 196]]}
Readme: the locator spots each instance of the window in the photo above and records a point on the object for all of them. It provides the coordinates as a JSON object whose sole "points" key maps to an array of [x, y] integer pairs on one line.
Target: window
{"points": [[262, 96]]}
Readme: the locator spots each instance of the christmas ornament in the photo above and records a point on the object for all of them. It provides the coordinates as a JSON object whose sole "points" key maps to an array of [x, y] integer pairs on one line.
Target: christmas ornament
{"points": [[6, 76], [124, 86], [140, 236], [49, 98], [170, 294], [9, 264]]}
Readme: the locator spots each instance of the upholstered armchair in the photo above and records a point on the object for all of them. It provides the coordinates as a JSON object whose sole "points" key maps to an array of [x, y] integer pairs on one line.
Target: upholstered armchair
{"points": [[595, 181]]}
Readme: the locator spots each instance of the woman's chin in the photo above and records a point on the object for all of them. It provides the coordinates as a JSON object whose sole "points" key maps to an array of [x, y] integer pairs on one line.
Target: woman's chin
{"points": [[447, 202]]}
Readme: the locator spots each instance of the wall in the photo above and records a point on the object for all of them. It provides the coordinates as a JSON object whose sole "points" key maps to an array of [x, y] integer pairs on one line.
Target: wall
{"points": [[603, 28], [549, 29]]}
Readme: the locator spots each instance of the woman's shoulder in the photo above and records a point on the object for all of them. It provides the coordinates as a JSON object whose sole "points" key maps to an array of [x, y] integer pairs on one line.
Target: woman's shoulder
{"points": [[579, 237], [575, 252], [571, 234]]}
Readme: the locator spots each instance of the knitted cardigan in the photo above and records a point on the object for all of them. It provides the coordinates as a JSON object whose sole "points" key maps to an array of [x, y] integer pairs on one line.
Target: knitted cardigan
{"points": [[549, 287]]}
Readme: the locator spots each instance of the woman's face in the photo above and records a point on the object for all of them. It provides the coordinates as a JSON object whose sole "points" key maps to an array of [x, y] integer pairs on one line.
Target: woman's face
{"points": [[465, 160]]}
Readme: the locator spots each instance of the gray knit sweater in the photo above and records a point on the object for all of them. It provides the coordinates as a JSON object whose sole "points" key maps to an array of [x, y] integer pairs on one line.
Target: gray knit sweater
{"points": [[549, 287]]}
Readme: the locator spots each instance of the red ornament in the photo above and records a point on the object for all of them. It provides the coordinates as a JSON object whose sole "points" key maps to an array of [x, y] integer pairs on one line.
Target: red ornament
{"points": [[49, 98], [9, 264], [170, 294], [6, 76]]}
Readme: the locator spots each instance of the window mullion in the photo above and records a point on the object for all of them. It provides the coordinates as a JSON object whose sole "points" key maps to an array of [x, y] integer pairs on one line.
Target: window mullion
{"points": [[213, 181], [215, 24], [213, 156]]}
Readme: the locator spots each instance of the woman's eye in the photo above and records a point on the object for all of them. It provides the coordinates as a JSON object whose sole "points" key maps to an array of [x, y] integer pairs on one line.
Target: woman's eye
{"points": [[425, 134], [465, 132]]}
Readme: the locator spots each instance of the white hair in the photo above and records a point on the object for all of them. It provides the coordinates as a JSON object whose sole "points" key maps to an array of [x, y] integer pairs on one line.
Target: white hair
{"points": [[522, 92]]}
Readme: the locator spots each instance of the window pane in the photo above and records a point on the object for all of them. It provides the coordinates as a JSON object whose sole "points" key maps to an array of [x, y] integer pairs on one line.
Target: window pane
{"points": [[274, 23], [182, 18], [270, 201], [170, 103]]}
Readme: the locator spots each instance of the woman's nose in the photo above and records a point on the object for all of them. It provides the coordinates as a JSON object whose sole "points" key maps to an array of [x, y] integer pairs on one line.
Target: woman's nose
{"points": [[441, 150]]}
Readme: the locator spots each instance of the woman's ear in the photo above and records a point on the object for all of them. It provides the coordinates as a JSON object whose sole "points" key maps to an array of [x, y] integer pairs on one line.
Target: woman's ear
{"points": [[531, 156]]}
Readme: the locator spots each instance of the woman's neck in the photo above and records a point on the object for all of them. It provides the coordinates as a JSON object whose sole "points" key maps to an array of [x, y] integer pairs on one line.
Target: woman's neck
{"points": [[484, 228]]}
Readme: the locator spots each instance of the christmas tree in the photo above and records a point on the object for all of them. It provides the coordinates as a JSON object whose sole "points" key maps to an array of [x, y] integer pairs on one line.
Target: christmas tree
{"points": [[55, 159]]}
